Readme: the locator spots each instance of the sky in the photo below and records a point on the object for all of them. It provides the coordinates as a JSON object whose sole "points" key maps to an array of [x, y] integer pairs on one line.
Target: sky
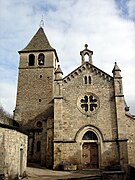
{"points": [[107, 26]]}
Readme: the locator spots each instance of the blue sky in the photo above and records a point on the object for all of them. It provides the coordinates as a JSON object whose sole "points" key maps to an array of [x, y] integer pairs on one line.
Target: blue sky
{"points": [[126, 8], [108, 27]]}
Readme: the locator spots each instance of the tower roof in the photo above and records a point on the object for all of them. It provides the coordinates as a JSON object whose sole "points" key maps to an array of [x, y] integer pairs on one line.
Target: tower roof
{"points": [[58, 70], [116, 71], [39, 42], [116, 68]]}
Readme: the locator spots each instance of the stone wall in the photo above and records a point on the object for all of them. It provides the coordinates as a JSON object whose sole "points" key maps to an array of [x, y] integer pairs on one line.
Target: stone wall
{"points": [[49, 143], [130, 130], [13, 152]]}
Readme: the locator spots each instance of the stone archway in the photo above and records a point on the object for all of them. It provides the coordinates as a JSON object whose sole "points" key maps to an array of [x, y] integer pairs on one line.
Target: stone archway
{"points": [[90, 151], [89, 139]]}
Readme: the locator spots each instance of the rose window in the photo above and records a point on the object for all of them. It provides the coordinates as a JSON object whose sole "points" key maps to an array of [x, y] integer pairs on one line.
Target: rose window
{"points": [[88, 103]]}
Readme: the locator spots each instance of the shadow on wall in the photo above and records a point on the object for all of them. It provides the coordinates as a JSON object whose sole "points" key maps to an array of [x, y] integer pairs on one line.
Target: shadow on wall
{"points": [[40, 117], [2, 159], [108, 160], [6, 168], [109, 164]]}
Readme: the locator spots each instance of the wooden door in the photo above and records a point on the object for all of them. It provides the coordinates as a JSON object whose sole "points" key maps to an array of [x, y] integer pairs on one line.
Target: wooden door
{"points": [[90, 155], [94, 156]]}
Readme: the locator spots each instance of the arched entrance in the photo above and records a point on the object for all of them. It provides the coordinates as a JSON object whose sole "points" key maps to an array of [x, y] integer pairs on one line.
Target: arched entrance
{"points": [[90, 157]]}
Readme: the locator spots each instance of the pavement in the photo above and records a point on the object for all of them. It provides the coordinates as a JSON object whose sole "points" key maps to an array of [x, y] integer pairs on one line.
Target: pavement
{"points": [[41, 173]]}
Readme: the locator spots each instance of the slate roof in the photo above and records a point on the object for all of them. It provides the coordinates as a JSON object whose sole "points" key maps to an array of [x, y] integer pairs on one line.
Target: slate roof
{"points": [[39, 42]]}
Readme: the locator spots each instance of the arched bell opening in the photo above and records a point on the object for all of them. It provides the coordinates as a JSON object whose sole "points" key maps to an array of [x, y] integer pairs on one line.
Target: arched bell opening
{"points": [[31, 60], [41, 59]]}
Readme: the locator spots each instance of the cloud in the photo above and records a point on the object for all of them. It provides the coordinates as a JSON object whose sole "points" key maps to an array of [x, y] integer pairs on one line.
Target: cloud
{"points": [[131, 9], [8, 94], [108, 27]]}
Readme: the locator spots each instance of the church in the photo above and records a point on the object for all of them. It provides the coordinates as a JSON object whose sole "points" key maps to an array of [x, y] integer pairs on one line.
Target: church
{"points": [[80, 120]]}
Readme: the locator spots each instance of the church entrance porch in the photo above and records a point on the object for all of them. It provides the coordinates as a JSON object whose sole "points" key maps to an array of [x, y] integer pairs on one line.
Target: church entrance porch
{"points": [[90, 155]]}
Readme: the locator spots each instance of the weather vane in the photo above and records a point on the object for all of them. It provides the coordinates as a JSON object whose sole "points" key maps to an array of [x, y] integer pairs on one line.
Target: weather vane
{"points": [[42, 22]]}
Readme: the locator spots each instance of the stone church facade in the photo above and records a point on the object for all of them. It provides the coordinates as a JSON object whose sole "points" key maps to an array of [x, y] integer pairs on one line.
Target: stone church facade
{"points": [[80, 119]]}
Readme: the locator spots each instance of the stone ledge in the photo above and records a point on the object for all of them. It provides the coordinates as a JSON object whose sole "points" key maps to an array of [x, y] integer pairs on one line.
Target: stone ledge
{"points": [[113, 172], [63, 141], [70, 167]]}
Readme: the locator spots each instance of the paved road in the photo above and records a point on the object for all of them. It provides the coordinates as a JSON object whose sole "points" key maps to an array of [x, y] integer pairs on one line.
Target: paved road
{"points": [[46, 174]]}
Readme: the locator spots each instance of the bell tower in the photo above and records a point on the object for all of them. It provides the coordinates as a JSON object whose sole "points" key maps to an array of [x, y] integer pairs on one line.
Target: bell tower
{"points": [[38, 62]]}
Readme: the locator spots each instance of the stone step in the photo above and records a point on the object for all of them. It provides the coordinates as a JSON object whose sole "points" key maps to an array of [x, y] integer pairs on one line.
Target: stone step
{"points": [[85, 178]]}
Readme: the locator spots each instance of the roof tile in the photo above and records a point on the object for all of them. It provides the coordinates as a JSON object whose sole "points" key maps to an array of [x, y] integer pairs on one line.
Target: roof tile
{"points": [[39, 42]]}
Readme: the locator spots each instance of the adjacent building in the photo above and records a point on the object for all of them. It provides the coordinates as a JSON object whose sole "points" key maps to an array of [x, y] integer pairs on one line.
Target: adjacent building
{"points": [[13, 149]]}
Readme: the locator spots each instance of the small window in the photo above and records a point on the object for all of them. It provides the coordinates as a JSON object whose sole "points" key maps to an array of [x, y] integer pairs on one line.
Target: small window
{"points": [[89, 80], [31, 60], [85, 79], [39, 124], [41, 58], [38, 146]]}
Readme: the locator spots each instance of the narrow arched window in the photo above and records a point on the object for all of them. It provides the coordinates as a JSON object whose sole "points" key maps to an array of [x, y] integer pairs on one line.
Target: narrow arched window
{"points": [[85, 79], [89, 80], [41, 59], [31, 60], [38, 146]]}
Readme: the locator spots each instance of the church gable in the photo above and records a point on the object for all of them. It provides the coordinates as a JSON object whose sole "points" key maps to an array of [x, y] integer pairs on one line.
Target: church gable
{"points": [[88, 75]]}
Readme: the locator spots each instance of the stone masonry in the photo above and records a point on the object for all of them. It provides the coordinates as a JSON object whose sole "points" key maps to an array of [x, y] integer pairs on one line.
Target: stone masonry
{"points": [[13, 152], [78, 121]]}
